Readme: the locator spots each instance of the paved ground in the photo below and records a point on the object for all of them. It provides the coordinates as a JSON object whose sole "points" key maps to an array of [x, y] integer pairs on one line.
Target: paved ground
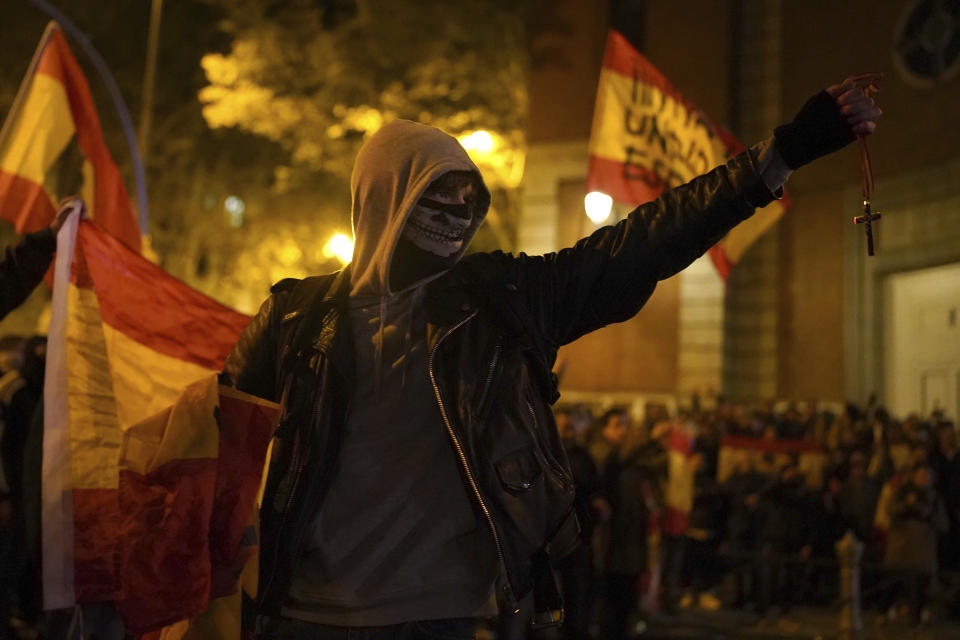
{"points": [[800, 624]]}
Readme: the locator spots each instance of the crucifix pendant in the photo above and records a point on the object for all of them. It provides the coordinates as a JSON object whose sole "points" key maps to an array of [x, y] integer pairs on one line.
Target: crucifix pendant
{"points": [[867, 219], [869, 83]]}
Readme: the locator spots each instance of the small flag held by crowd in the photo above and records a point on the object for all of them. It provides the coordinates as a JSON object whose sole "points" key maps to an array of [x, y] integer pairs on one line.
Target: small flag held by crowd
{"points": [[770, 453], [681, 471], [647, 138]]}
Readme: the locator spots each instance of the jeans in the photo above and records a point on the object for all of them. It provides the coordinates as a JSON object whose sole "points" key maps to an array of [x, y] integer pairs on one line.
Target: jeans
{"points": [[620, 593], [576, 571], [290, 629]]}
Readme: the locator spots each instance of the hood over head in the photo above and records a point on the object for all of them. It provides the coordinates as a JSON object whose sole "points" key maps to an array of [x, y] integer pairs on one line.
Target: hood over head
{"points": [[391, 172]]}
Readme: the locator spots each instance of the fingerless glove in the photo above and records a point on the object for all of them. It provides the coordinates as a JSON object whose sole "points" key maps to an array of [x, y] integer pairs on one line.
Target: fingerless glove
{"points": [[816, 130]]}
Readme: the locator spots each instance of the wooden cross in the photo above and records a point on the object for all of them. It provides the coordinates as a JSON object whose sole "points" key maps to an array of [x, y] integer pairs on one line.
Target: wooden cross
{"points": [[867, 218]]}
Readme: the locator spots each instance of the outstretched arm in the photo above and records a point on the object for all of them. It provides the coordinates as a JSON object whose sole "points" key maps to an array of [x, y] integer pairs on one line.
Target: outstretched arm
{"points": [[609, 275]]}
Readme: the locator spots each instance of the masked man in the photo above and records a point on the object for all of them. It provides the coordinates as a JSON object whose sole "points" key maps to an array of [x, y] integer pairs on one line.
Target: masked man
{"points": [[417, 474]]}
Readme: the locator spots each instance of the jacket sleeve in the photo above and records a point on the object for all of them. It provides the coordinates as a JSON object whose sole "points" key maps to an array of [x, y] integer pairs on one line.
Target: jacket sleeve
{"points": [[252, 365], [608, 276], [23, 268]]}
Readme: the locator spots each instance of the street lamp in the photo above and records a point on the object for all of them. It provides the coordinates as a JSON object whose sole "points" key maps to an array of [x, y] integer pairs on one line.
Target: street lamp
{"points": [[339, 246], [480, 142], [598, 206]]}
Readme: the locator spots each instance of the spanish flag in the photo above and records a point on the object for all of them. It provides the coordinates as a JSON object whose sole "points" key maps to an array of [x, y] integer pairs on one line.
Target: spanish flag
{"points": [[647, 138], [51, 147], [150, 467], [767, 455], [682, 469]]}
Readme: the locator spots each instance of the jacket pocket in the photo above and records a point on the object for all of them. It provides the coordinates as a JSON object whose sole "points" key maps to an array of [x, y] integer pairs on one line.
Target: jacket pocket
{"points": [[519, 471]]}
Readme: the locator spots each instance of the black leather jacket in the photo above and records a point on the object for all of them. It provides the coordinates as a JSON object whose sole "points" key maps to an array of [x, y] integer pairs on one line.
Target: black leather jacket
{"points": [[495, 322]]}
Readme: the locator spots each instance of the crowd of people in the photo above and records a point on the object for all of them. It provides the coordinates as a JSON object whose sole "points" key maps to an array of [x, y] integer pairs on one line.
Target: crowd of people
{"points": [[773, 492], [760, 534], [21, 451]]}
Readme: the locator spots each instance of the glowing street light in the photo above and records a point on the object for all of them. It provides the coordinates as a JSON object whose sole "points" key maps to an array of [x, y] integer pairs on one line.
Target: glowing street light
{"points": [[235, 206], [339, 246], [480, 142], [598, 206]]}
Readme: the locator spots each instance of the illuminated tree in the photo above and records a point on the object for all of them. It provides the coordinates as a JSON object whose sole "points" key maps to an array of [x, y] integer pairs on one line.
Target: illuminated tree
{"points": [[295, 88], [319, 78]]}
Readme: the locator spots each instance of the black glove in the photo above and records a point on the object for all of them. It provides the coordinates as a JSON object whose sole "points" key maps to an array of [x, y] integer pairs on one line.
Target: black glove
{"points": [[816, 130]]}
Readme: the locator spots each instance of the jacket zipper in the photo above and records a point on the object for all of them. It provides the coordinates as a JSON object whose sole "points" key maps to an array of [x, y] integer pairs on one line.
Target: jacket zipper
{"points": [[283, 520], [511, 599], [489, 379], [299, 457], [539, 449]]}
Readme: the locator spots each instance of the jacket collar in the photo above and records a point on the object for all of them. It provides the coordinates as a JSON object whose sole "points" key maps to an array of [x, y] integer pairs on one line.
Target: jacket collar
{"points": [[324, 326], [447, 301]]}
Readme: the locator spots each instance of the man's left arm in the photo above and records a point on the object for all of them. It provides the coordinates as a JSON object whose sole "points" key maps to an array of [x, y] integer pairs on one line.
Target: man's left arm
{"points": [[609, 275]]}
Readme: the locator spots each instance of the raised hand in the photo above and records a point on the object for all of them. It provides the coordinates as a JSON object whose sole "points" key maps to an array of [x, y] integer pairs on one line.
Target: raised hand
{"points": [[68, 206], [859, 110]]}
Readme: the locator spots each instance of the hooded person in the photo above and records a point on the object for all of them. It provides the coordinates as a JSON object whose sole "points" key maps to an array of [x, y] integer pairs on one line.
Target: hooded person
{"points": [[416, 473], [396, 536]]}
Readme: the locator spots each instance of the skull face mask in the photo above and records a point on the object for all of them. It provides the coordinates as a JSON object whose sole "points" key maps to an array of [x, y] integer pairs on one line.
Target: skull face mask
{"points": [[438, 227]]}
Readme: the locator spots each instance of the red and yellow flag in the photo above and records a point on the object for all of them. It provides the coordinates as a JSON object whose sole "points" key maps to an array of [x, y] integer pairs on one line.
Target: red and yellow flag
{"points": [[767, 455], [151, 468], [682, 469], [51, 147], [647, 138]]}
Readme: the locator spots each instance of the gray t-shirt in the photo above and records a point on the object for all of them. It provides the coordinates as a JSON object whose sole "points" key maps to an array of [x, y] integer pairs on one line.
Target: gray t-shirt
{"points": [[397, 538]]}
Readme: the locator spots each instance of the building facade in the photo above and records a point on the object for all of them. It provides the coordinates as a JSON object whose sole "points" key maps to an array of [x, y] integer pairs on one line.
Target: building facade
{"points": [[805, 314]]}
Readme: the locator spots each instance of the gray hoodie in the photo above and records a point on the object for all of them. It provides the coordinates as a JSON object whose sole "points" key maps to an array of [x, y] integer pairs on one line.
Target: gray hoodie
{"points": [[397, 539]]}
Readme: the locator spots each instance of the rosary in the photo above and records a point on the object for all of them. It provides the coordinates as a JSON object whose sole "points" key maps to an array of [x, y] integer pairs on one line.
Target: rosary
{"points": [[870, 83]]}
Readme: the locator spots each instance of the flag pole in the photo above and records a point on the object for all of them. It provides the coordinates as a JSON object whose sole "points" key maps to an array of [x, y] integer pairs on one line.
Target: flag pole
{"points": [[25, 84], [119, 104], [149, 77]]}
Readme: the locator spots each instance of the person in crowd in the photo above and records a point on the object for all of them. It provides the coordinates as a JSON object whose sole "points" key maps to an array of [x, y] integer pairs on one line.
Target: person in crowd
{"points": [[946, 460], [11, 359], [23, 265], [604, 443], [576, 571], [860, 480], [607, 435], [825, 526], [764, 416], [911, 550], [785, 541], [12, 353], [672, 554], [744, 493], [810, 419], [897, 448], [20, 565], [790, 425], [634, 484], [858, 498], [653, 414], [707, 444], [741, 423], [723, 417], [705, 530]]}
